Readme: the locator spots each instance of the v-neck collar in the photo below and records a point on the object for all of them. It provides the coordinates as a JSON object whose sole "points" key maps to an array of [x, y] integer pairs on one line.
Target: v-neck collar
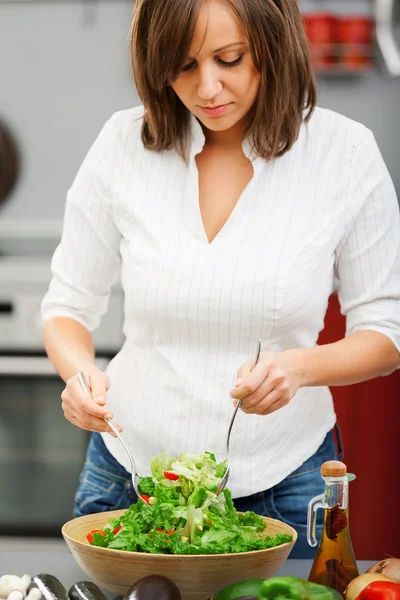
{"points": [[198, 139]]}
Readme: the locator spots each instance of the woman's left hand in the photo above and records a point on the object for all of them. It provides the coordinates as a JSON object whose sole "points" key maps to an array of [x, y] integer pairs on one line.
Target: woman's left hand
{"points": [[271, 385]]}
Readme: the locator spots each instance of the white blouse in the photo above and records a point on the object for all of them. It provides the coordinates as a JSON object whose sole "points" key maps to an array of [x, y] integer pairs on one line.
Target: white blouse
{"points": [[324, 213]]}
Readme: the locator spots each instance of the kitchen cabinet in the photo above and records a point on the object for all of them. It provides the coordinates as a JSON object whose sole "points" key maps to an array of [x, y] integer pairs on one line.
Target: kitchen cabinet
{"points": [[369, 418]]}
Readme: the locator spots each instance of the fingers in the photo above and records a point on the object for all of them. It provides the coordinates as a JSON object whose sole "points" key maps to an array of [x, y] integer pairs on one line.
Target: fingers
{"points": [[244, 371], [75, 398], [252, 382], [81, 409], [253, 399], [91, 423], [265, 389], [274, 406], [272, 402], [98, 383]]}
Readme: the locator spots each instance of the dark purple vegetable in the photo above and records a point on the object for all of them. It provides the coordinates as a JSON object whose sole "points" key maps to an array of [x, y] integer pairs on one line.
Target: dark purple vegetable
{"points": [[153, 587], [85, 590], [50, 586]]}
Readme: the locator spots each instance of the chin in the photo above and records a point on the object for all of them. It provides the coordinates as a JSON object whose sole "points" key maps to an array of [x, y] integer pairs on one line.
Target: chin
{"points": [[217, 123]]}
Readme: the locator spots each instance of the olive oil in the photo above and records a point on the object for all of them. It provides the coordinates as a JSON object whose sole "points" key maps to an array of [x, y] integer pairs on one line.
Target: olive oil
{"points": [[334, 563]]}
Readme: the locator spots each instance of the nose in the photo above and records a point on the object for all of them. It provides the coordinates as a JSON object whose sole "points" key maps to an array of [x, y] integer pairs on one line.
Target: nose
{"points": [[209, 84]]}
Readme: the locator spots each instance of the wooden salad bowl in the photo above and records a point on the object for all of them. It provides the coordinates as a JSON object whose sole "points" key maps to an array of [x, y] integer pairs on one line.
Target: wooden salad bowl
{"points": [[198, 577]]}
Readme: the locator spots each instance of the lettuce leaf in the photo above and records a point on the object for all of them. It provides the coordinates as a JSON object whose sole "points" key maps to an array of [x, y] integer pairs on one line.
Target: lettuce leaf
{"points": [[185, 515]]}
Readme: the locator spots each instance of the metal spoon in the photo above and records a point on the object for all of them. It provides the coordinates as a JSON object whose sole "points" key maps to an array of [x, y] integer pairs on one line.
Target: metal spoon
{"points": [[225, 478], [135, 476]]}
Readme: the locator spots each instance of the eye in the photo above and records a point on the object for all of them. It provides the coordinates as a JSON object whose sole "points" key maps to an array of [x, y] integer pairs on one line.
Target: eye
{"points": [[233, 63], [189, 66]]}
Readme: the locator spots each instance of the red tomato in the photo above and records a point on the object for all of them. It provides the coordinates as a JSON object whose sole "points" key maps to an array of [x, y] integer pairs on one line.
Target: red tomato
{"points": [[117, 529], [171, 476], [145, 498], [167, 532], [89, 536], [382, 590]]}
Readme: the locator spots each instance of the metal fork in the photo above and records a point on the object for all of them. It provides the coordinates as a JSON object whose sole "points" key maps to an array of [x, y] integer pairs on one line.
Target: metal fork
{"points": [[135, 476], [225, 478]]}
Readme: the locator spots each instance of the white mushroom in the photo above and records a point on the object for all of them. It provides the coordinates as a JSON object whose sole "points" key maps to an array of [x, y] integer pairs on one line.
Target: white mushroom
{"points": [[16, 595], [11, 583], [13, 587], [34, 594], [26, 581]]}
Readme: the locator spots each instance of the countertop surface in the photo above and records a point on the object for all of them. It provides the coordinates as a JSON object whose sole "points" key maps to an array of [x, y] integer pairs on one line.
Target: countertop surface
{"points": [[32, 556]]}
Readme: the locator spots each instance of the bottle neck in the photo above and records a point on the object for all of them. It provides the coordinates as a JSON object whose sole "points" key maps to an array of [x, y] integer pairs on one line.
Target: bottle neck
{"points": [[336, 492], [335, 497], [336, 518]]}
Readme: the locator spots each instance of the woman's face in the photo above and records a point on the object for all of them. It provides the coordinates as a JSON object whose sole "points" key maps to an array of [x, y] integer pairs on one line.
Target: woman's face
{"points": [[219, 82]]}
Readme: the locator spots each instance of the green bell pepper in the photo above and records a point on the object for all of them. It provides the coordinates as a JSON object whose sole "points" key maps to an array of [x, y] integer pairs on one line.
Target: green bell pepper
{"points": [[293, 588], [240, 589]]}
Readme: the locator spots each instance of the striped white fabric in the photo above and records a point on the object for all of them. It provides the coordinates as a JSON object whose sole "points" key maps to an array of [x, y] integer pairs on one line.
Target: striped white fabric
{"points": [[324, 212]]}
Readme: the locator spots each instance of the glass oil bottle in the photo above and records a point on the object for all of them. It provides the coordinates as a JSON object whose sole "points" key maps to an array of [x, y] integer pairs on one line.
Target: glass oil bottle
{"points": [[334, 563]]}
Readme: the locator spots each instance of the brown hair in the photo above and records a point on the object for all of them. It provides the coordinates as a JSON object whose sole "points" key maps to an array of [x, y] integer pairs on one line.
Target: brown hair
{"points": [[162, 31]]}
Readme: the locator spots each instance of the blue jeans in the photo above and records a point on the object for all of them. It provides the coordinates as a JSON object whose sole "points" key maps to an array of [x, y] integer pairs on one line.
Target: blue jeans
{"points": [[105, 485]]}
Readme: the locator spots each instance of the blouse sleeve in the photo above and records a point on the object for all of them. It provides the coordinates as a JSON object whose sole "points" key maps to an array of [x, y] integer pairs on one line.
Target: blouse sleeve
{"points": [[368, 258], [86, 262]]}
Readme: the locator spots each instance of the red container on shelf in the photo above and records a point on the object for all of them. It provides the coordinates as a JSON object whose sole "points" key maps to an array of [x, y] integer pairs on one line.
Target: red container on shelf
{"points": [[355, 33], [355, 30], [321, 27], [321, 30]]}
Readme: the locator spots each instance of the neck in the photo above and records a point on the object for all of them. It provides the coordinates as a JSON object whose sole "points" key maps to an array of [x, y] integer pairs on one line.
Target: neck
{"points": [[228, 139]]}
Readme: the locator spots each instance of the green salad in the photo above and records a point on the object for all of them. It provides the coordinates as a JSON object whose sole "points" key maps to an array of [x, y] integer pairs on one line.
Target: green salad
{"points": [[183, 515]]}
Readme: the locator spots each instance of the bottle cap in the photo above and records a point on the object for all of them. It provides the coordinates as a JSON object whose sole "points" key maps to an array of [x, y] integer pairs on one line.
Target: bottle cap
{"points": [[333, 468]]}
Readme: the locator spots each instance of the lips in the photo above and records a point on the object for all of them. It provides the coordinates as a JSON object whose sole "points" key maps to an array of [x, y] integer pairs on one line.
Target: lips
{"points": [[213, 107], [215, 111]]}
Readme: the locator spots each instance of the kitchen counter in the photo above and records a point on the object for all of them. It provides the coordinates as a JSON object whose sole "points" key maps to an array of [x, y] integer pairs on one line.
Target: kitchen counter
{"points": [[40, 556]]}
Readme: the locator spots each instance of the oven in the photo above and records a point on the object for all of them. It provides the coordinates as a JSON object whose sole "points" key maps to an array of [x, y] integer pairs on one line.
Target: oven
{"points": [[41, 453]]}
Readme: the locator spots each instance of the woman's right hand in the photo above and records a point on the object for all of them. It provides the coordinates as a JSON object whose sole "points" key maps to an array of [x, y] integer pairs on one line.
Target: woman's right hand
{"points": [[82, 411]]}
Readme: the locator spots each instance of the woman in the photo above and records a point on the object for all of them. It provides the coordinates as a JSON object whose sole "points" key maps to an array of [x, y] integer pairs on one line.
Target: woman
{"points": [[232, 208]]}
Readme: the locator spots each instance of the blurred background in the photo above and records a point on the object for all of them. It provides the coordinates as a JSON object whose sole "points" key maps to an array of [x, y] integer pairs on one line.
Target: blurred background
{"points": [[64, 69]]}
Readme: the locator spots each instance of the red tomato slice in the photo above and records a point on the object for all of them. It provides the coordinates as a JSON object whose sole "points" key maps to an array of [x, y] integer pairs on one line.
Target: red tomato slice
{"points": [[89, 536], [117, 529], [145, 498], [167, 532], [171, 476]]}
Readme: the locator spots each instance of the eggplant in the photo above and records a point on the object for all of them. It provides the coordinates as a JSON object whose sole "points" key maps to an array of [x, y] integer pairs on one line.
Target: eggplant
{"points": [[153, 587], [85, 590], [50, 587]]}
